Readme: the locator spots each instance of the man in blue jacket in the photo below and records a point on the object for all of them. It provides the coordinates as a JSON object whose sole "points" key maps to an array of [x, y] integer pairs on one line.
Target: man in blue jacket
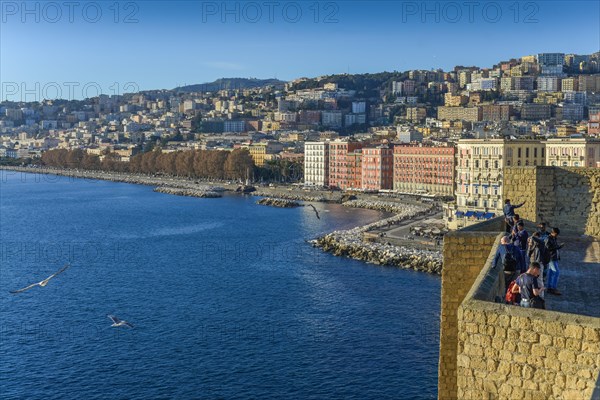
{"points": [[509, 212]]}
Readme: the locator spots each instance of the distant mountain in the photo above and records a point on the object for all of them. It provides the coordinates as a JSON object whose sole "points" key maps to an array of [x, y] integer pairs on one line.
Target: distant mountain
{"points": [[229, 84]]}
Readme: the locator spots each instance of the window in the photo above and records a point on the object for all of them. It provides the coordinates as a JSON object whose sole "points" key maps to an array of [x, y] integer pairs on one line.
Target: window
{"points": [[519, 152], [564, 164], [518, 163], [496, 164], [527, 152], [535, 152]]}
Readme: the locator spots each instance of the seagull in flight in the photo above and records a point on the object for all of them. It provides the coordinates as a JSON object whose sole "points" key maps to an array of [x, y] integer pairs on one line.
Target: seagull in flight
{"points": [[42, 283], [314, 209], [119, 322]]}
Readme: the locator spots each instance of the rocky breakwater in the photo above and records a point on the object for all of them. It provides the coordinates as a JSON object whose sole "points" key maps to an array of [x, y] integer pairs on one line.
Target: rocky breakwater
{"points": [[388, 206], [203, 192], [350, 243], [275, 202], [288, 196]]}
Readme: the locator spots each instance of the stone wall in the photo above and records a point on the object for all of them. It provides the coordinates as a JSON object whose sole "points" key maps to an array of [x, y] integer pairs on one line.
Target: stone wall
{"points": [[510, 352], [489, 350], [565, 197], [465, 252]]}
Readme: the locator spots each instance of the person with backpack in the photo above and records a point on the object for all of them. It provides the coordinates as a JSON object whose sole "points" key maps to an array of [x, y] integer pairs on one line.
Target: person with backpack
{"points": [[529, 289], [552, 247], [509, 212], [510, 258]]}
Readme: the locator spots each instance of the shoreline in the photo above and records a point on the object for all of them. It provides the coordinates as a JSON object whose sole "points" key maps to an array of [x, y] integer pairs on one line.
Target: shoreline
{"points": [[347, 243]]}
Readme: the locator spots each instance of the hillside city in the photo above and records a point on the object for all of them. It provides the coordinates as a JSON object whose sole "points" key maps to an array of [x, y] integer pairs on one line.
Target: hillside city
{"points": [[431, 133]]}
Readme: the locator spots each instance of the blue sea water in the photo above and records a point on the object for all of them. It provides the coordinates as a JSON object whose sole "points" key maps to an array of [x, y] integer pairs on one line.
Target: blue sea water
{"points": [[227, 299]]}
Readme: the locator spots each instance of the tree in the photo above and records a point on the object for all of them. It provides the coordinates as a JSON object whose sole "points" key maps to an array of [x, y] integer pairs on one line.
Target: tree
{"points": [[238, 164]]}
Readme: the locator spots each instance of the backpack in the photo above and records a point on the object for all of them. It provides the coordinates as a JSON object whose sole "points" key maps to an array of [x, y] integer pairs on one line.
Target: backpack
{"points": [[513, 295], [509, 263]]}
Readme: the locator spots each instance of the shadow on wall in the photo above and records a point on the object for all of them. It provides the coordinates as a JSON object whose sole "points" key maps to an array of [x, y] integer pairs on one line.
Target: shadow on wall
{"points": [[572, 197]]}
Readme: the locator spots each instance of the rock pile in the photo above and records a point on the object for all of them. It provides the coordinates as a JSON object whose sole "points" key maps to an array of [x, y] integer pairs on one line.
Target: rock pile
{"points": [[349, 243], [388, 206], [289, 196], [274, 202], [188, 192]]}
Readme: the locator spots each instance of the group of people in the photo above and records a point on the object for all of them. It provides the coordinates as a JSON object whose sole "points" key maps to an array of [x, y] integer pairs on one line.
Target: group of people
{"points": [[525, 259]]}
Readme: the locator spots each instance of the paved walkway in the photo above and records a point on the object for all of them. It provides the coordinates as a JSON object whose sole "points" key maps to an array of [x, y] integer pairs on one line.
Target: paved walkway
{"points": [[579, 280]]}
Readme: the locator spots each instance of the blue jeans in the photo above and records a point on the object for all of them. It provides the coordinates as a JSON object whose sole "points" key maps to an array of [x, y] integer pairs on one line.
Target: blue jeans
{"points": [[553, 274]]}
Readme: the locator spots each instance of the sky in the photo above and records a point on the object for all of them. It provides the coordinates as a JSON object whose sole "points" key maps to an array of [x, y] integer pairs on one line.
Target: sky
{"points": [[78, 49]]}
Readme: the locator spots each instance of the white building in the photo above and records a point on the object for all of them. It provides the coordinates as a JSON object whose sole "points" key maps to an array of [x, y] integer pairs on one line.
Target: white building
{"points": [[548, 83], [332, 119], [316, 163], [359, 107], [479, 176], [572, 152]]}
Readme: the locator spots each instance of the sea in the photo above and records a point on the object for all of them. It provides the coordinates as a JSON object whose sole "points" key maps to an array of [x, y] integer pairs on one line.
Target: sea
{"points": [[227, 300]]}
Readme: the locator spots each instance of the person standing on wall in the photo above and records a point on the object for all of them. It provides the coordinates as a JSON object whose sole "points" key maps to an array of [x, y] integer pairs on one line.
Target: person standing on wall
{"points": [[509, 212], [552, 247]]}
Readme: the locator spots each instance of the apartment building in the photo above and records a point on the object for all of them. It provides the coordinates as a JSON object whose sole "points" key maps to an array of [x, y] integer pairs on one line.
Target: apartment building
{"points": [[472, 114], [341, 174], [377, 167], [572, 152], [479, 174], [259, 151], [316, 163], [594, 121], [424, 169]]}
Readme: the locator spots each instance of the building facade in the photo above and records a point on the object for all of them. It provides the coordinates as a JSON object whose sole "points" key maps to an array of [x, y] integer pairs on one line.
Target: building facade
{"points": [[479, 173], [377, 167], [316, 163], [424, 169], [572, 152], [341, 174]]}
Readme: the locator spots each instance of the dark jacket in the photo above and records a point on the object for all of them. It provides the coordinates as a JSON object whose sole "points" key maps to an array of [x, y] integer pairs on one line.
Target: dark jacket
{"points": [[536, 250], [514, 251], [509, 209], [520, 239], [552, 247]]}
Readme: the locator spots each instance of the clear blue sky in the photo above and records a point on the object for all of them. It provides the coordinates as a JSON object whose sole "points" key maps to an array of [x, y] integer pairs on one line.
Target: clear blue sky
{"points": [[160, 44]]}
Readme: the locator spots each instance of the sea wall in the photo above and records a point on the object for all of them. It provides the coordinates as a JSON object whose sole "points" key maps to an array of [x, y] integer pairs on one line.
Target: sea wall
{"points": [[565, 197]]}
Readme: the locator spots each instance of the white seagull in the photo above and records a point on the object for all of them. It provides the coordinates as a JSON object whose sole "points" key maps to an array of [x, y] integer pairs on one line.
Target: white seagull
{"points": [[119, 322], [42, 283]]}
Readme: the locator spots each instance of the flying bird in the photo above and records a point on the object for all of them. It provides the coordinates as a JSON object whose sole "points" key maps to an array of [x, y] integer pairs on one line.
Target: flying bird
{"points": [[42, 283], [119, 322], [314, 209]]}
